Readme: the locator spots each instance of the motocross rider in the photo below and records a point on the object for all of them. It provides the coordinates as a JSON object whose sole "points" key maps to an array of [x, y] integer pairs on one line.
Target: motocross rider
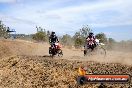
{"points": [[91, 38], [53, 39]]}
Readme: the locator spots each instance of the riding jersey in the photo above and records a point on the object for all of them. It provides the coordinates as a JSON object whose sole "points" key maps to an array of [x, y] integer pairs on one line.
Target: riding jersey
{"points": [[91, 40], [53, 39]]}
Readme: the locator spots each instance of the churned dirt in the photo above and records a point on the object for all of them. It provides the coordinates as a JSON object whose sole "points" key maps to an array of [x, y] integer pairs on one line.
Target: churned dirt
{"points": [[25, 64]]}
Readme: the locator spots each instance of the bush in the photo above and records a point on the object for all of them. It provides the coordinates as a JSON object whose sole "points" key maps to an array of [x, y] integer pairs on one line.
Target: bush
{"points": [[102, 37], [110, 43], [3, 30], [78, 43], [40, 36], [80, 36], [67, 40]]}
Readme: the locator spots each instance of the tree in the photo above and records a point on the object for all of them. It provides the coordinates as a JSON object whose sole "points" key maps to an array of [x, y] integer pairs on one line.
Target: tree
{"points": [[110, 43], [84, 31], [40, 29], [76, 35], [78, 43], [81, 35], [102, 37], [67, 40], [40, 35], [48, 33], [3, 30], [111, 40]]}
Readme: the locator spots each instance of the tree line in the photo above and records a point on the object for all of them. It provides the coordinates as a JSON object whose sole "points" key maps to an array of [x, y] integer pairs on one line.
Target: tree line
{"points": [[77, 40]]}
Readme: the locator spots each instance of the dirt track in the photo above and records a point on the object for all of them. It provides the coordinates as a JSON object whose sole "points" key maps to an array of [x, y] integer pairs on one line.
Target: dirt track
{"points": [[27, 65]]}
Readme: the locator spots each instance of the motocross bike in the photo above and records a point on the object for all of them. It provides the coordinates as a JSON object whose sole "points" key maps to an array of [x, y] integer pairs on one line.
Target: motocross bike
{"points": [[55, 49], [92, 48]]}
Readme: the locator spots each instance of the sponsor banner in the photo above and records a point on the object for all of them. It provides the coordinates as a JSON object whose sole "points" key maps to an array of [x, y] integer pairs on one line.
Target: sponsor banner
{"points": [[108, 78]]}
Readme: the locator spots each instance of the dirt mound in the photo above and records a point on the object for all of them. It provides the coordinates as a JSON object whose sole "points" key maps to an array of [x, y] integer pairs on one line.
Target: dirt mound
{"points": [[4, 50], [21, 47], [25, 64], [42, 72]]}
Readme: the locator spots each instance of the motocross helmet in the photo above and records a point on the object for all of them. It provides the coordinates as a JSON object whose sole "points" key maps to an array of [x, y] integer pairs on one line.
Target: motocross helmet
{"points": [[91, 34], [53, 34]]}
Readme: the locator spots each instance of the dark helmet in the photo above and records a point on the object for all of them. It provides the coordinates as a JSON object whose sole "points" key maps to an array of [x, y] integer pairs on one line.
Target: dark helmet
{"points": [[91, 34], [53, 33]]}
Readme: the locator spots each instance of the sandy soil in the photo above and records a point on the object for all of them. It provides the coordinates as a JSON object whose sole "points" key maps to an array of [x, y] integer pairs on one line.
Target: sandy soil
{"points": [[25, 64]]}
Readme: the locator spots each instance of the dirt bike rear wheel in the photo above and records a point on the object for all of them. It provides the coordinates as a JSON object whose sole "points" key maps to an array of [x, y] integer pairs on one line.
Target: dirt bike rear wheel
{"points": [[53, 52]]}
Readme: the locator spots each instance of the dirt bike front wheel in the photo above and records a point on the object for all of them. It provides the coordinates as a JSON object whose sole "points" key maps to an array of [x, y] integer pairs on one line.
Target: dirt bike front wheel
{"points": [[60, 53], [101, 52], [87, 52]]}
